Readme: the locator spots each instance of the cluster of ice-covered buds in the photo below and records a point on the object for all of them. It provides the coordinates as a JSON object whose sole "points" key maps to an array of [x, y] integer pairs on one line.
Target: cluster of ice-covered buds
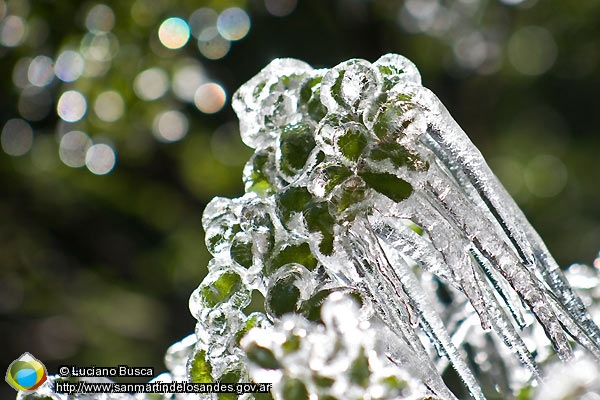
{"points": [[361, 184], [303, 183], [330, 143]]}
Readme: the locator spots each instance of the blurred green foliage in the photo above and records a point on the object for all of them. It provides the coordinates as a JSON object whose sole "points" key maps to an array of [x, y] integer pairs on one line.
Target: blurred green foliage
{"points": [[97, 269]]}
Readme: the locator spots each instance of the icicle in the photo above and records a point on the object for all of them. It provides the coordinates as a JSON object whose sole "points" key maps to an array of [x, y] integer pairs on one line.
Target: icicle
{"points": [[508, 295], [344, 159], [399, 271], [395, 313], [499, 321], [505, 329], [467, 165]]}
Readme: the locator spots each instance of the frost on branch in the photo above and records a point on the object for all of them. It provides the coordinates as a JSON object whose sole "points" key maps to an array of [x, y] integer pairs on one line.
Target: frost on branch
{"points": [[362, 184]]}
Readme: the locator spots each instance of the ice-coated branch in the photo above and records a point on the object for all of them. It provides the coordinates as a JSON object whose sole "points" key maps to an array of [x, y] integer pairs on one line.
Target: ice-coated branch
{"points": [[378, 247], [356, 154]]}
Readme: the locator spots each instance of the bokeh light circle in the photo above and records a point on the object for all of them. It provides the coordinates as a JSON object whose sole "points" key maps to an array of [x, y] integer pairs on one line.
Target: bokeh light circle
{"points": [[100, 19], [201, 19], [233, 23], [13, 31], [101, 47], [226, 146], [210, 98], [470, 51], [186, 81], [545, 176], [510, 173], [34, 103], [532, 50], [212, 45], [109, 106], [73, 148], [100, 159], [280, 8], [17, 137], [71, 106], [38, 32], [69, 66], [20, 72], [41, 71], [170, 126], [174, 33], [151, 84]]}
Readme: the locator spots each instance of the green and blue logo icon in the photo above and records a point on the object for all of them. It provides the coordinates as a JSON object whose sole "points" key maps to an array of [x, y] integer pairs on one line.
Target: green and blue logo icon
{"points": [[26, 373]]}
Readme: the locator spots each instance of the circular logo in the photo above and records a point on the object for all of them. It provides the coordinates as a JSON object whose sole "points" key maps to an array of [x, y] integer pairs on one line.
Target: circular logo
{"points": [[26, 373]]}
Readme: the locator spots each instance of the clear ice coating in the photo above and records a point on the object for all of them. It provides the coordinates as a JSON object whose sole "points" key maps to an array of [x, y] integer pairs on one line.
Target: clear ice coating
{"points": [[376, 188], [344, 357], [373, 249]]}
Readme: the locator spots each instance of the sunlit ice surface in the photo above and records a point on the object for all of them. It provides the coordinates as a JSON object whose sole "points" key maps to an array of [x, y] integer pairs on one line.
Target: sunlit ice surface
{"points": [[371, 224], [361, 181]]}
